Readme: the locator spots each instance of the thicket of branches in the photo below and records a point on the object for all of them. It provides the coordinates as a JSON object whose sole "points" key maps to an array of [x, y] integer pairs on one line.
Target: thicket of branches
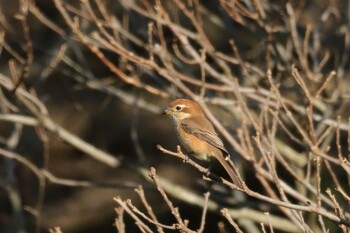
{"points": [[272, 76]]}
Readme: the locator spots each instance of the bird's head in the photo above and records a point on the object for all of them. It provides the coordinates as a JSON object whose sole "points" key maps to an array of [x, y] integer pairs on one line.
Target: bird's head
{"points": [[181, 109]]}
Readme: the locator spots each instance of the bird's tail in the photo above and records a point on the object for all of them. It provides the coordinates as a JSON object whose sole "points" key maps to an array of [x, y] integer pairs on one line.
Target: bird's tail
{"points": [[233, 175]]}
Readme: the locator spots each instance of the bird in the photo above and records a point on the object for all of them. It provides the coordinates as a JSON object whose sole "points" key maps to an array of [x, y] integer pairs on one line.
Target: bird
{"points": [[197, 134]]}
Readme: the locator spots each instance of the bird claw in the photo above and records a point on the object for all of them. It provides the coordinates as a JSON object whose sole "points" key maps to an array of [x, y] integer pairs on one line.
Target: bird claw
{"points": [[186, 159], [207, 173]]}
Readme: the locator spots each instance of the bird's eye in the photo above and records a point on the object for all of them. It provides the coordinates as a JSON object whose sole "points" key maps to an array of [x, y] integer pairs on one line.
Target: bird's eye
{"points": [[178, 108]]}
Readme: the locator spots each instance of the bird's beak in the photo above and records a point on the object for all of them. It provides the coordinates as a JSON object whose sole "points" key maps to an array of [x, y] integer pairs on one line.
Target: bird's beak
{"points": [[165, 112]]}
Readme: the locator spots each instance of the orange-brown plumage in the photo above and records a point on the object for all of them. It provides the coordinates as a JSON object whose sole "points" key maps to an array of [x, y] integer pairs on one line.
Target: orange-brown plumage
{"points": [[197, 134]]}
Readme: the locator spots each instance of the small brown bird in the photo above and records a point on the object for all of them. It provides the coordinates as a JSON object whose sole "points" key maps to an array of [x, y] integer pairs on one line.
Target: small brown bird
{"points": [[197, 134]]}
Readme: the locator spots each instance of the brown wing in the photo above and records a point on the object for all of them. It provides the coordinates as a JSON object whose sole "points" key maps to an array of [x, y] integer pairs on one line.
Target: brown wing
{"points": [[202, 128]]}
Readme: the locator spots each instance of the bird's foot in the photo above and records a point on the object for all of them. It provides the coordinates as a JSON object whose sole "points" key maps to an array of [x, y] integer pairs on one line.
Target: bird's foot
{"points": [[207, 173], [186, 159]]}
